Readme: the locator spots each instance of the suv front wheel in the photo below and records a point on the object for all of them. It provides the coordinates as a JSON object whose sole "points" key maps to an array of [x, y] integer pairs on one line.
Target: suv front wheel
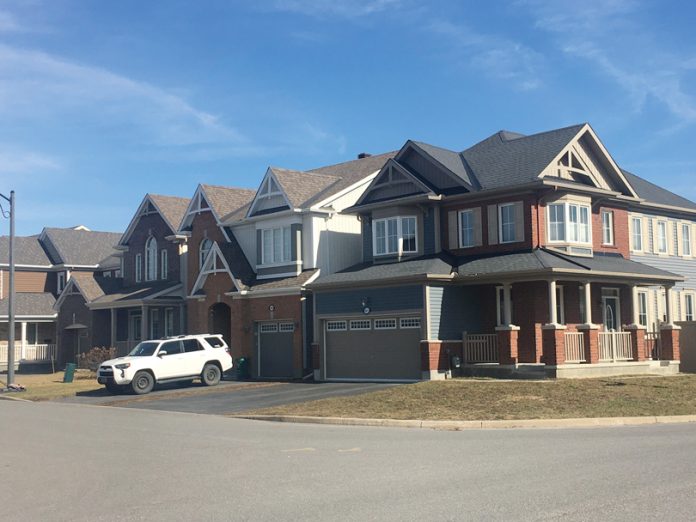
{"points": [[142, 383], [211, 374]]}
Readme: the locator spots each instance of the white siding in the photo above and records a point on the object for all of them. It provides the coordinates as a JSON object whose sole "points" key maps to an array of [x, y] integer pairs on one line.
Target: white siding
{"points": [[246, 236]]}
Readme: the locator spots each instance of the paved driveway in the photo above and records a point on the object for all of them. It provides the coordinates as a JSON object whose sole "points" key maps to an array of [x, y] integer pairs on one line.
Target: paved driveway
{"points": [[228, 397]]}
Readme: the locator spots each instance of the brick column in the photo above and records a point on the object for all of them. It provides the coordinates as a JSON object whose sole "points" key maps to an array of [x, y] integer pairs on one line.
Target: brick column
{"points": [[591, 339], [553, 338], [637, 341], [669, 339], [507, 344]]}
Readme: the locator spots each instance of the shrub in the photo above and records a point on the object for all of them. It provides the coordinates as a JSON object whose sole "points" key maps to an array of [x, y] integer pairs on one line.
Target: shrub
{"points": [[92, 359]]}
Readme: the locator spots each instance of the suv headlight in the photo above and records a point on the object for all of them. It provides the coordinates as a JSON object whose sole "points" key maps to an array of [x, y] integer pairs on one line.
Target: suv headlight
{"points": [[122, 366]]}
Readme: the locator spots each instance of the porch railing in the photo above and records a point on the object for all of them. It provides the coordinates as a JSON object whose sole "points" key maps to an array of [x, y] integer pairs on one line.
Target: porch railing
{"points": [[653, 347], [480, 348], [30, 352], [615, 346], [575, 347]]}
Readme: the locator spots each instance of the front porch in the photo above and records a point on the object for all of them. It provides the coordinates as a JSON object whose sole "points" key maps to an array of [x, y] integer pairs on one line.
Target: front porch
{"points": [[34, 343]]}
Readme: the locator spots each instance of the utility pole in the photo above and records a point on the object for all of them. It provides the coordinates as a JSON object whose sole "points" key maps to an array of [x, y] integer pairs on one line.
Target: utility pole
{"points": [[11, 294]]}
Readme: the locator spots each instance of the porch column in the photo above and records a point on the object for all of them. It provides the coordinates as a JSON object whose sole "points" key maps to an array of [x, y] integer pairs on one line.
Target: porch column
{"points": [[113, 327], [668, 304], [553, 318], [669, 332], [24, 340], [637, 331], [587, 288], [143, 323], [507, 333]]}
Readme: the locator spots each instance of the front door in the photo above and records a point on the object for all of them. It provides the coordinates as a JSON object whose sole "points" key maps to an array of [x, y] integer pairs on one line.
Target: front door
{"points": [[611, 310]]}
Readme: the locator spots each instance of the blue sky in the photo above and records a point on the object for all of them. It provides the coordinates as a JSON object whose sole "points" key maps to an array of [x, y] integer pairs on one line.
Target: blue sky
{"points": [[102, 102]]}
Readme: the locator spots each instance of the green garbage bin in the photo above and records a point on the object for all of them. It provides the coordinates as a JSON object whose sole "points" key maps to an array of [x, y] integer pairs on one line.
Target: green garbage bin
{"points": [[69, 372], [242, 368]]}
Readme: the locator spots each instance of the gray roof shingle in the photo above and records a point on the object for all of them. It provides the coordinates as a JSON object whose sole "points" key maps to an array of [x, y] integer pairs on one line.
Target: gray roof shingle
{"points": [[655, 194], [172, 208], [34, 304], [229, 203], [79, 247], [136, 293], [28, 251]]}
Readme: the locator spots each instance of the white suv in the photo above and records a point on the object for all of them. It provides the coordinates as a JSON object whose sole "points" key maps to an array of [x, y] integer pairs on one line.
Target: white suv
{"points": [[181, 358]]}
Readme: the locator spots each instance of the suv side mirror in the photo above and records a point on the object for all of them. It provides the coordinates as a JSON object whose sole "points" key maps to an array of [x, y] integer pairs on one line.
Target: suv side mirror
{"points": [[161, 353]]}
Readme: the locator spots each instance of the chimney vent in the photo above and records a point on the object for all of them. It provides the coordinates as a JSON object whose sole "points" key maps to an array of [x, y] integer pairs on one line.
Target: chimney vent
{"points": [[364, 155]]}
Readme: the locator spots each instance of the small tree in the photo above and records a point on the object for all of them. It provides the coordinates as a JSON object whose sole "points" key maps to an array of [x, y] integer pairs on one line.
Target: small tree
{"points": [[93, 358]]}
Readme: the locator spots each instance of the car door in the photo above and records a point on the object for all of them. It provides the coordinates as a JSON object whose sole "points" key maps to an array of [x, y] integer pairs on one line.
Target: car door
{"points": [[194, 357], [169, 365]]}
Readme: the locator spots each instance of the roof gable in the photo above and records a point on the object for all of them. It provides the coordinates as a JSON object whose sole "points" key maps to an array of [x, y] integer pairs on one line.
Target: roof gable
{"points": [[149, 206], [215, 262], [78, 247], [225, 203], [392, 182], [271, 195]]}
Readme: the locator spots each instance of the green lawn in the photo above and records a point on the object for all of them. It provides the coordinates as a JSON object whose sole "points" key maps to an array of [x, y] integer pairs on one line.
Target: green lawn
{"points": [[487, 399]]}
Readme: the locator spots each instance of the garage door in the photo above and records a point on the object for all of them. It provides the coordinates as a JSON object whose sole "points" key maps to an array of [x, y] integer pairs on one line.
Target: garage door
{"points": [[276, 350], [373, 349]]}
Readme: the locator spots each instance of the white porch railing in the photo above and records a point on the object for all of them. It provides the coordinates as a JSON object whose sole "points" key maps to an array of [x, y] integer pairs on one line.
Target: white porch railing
{"points": [[615, 346], [653, 347], [30, 352], [480, 348], [574, 347]]}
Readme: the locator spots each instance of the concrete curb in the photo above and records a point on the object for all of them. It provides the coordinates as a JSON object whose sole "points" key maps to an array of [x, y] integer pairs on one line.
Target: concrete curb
{"points": [[8, 398], [593, 422]]}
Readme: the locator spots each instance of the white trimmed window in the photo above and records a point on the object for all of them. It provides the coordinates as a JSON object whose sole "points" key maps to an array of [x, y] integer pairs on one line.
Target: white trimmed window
{"points": [[361, 324], [662, 237], [607, 227], [151, 259], [138, 268], [385, 324], [276, 245], [203, 250], [689, 307], [506, 220], [164, 265], [406, 323], [637, 234], [467, 222], [569, 223], [396, 235], [686, 240], [643, 308], [336, 326]]}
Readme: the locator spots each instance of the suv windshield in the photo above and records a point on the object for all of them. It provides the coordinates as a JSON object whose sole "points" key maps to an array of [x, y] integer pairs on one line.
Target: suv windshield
{"points": [[144, 349]]}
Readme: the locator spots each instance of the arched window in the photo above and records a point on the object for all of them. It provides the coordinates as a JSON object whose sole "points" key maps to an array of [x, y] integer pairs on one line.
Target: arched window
{"points": [[151, 259], [205, 247]]}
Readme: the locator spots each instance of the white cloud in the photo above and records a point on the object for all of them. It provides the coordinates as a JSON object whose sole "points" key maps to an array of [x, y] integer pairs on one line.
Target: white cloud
{"points": [[497, 57], [342, 8]]}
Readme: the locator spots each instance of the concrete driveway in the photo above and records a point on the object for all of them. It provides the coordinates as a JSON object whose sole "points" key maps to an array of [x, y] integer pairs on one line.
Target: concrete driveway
{"points": [[228, 397]]}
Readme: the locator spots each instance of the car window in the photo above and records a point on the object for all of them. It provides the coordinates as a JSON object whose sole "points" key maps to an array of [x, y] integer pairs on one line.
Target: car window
{"points": [[171, 347], [192, 345], [215, 342], [144, 349]]}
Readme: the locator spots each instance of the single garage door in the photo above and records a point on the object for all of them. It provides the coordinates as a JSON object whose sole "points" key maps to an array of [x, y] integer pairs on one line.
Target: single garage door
{"points": [[276, 350], [373, 349]]}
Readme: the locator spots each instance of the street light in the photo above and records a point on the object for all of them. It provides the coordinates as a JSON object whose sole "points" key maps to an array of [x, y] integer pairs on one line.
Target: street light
{"points": [[11, 294]]}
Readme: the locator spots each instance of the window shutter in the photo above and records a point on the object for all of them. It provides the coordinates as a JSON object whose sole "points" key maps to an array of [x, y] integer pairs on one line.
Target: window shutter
{"points": [[631, 226], [646, 234], [478, 232], [453, 229], [519, 221], [492, 224], [670, 238], [680, 245]]}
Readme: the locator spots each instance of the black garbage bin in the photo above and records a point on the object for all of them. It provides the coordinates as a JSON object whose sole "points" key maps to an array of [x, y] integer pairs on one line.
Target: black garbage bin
{"points": [[242, 368]]}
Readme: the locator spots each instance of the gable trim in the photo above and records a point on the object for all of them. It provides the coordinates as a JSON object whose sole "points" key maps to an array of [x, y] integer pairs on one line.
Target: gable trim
{"points": [[215, 253], [67, 291], [257, 197], [436, 162], [191, 212], [136, 218], [392, 163]]}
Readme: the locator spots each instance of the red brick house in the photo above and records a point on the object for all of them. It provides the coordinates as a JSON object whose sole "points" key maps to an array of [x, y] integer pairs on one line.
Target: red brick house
{"points": [[512, 255]]}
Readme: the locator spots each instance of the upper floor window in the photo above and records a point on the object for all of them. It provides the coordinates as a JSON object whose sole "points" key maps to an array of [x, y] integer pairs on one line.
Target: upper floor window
{"points": [[61, 282], [569, 222], [151, 259], [637, 233], [607, 227], [662, 237], [203, 250], [466, 228], [395, 235], [138, 268], [164, 264], [276, 245], [686, 240], [507, 222]]}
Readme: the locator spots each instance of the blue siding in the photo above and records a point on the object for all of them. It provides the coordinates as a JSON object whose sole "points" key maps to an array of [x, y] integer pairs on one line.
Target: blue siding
{"points": [[453, 310], [367, 240], [378, 299], [429, 232]]}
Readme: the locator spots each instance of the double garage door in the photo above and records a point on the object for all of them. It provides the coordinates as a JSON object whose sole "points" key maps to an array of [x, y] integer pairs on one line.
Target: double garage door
{"points": [[385, 348], [275, 349]]}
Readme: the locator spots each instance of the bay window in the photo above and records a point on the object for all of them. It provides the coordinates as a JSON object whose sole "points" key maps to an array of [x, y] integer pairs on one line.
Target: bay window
{"points": [[395, 235], [557, 222], [569, 223], [276, 245]]}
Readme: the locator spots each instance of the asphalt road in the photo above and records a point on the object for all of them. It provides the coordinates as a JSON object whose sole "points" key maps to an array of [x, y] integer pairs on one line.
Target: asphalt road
{"points": [[76, 462], [228, 397]]}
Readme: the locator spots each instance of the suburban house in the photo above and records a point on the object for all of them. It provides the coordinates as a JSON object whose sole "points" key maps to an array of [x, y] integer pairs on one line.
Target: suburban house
{"points": [[44, 265], [257, 256], [147, 300], [513, 255]]}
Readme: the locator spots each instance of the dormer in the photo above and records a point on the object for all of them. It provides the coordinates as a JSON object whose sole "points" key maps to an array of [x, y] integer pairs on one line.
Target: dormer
{"points": [[270, 197]]}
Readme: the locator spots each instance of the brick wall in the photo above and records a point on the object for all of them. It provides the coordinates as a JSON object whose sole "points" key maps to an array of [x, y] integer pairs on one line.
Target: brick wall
{"points": [[154, 225], [203, 226]]}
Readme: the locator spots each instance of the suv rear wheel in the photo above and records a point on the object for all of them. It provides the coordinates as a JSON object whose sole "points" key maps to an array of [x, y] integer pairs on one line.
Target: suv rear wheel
{"points": [[142, 382], [211, 374]]}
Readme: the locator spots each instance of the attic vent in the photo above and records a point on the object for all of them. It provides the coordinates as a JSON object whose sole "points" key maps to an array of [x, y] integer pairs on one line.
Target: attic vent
{"points": [[364, 155]]}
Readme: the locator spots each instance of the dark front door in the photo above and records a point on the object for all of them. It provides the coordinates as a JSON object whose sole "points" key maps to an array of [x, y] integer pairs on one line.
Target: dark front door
{"points": [[220, 321]]}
